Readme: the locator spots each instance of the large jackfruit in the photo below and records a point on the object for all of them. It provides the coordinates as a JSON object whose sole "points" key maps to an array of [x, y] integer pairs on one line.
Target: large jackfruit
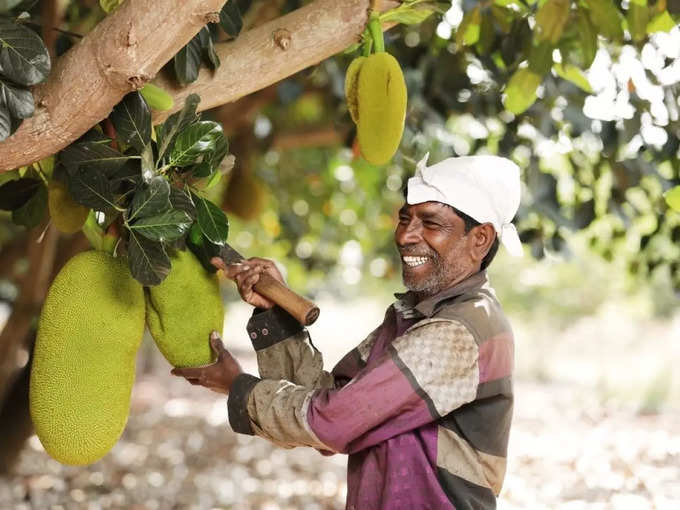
{"points": [[67, 215], [245, 197], [182, 311], [381, 100], [83, 369]]}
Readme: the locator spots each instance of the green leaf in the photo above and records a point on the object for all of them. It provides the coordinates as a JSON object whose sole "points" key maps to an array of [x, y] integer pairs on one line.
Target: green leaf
{"points": [[182, 201], [91, 189], [203, 249], [407, 16], [5, 122], [149, 264], [469, 29], [109, 6], [167, 226], [541, 59], [672, 197], [230, 18], [132, 120], [156, 98], [187, 61], [550, 20], [14, 194], [18, 100], [194, 141], [661, 23], [521, 90], [212, 220], [573, 74], [607, 18], [208, 52], [151, 200], [168, 131], [637, 19], [147, 163], [23, 56], [587, 38], [96, 156], [32, 213]]}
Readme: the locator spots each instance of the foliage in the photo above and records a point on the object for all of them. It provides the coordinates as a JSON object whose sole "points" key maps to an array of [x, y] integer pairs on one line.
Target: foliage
{"points": [[24, 61], [150, 185], [201, 48]]}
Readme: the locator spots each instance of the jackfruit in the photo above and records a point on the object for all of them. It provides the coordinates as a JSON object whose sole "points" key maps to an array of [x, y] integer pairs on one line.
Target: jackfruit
{"points": [[90, 329], [245, 196], [182, 311], [351, 85], [67, 215], [382, 107]]}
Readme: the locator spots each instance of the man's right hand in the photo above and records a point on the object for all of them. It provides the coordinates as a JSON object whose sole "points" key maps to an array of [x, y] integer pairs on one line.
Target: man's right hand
{"points": [[247, 274]]}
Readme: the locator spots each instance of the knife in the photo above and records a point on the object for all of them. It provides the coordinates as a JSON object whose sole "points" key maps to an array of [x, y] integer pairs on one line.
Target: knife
{"points": [[299, 307]]}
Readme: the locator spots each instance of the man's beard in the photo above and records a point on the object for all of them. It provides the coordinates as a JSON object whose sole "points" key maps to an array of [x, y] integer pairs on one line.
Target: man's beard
{"points": [[429, 285]]}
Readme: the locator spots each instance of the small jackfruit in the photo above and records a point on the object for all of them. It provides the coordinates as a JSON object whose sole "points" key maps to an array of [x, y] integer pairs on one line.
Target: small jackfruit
{"points": [[382, 107], [351, 86], [245, 196], [90, 329], [67, 215], [182, 311]]}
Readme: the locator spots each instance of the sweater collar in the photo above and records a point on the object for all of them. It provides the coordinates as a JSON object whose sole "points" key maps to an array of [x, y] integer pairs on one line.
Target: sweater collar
{"points": [[427, 307]]}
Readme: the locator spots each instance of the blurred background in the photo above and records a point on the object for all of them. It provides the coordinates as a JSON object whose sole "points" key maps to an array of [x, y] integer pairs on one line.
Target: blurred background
{"points": [[593, 303]]}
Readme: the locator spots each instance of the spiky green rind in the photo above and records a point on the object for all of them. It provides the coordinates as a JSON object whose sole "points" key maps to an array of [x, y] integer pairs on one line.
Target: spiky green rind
{"points": [[183, 310], [382, 107], [83, 368]]}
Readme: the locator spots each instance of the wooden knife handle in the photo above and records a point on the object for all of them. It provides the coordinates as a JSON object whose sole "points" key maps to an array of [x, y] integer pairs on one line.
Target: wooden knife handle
{"points": [[299, 307]]}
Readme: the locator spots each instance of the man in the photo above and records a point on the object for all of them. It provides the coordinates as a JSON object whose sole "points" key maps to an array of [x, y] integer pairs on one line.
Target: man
{"points": [[423, 405]]}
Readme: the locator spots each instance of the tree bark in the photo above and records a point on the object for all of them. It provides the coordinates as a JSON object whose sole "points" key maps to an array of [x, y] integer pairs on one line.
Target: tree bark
{"points": [[130, 45], [119, 55]]}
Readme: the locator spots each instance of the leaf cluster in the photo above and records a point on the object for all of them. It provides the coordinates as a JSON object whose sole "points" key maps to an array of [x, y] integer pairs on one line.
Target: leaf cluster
{"points": [[24, 62], [201, 48], [144, 184], [565, 37]]}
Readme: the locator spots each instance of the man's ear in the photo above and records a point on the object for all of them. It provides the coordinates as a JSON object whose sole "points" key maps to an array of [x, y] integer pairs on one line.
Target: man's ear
{"points": [[481, 238]]}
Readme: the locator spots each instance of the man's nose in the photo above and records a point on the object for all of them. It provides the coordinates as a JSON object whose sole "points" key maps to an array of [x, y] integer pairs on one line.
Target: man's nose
{"points": [[409, 233]]}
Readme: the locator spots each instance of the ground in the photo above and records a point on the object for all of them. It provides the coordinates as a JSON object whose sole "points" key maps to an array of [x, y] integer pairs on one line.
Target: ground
{"points": [[569, 448]]}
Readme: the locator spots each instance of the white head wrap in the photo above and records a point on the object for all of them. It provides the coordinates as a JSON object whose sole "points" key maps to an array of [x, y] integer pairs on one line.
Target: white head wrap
{"points": [[486, 188]]}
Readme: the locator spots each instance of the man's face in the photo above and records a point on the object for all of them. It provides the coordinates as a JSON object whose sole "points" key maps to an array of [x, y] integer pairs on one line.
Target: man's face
{"points": [[434, 247]]}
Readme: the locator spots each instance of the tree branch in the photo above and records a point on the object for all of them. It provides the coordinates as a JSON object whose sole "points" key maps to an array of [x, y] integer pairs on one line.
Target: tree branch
{"points": [[130, 45], [120, 54], [275, 50]]}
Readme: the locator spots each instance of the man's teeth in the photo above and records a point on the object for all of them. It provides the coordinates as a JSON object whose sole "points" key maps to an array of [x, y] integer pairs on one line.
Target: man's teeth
{"points": [[414, 261]]}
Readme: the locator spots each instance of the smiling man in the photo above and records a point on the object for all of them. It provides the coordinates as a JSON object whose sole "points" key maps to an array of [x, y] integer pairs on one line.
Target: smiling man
{"points": [[423, 405]]}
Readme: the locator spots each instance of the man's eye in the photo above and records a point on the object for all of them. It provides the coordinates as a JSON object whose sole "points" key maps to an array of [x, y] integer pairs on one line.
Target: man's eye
{"points": [[404, 219], [431, 224]]}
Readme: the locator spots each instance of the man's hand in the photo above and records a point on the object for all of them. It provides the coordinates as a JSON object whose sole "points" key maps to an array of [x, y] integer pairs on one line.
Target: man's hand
{"points": [[246, 274], [218, 376]]}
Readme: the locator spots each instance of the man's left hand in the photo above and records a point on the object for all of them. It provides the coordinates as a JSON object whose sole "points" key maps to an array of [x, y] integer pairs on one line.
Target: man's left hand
{"points": [[217, 376]]}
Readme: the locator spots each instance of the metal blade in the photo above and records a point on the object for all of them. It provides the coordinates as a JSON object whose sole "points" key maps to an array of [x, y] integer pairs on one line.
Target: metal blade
{"points": [[230, 255]]}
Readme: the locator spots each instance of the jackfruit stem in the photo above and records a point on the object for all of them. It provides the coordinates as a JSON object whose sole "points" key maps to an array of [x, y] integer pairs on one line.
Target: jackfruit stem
{"points": [[375, 28], [368, 44]]}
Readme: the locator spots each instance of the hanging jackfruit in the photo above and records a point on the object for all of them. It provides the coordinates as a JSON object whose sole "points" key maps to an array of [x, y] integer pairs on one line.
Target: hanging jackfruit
{"points": [[245, 196], [67, 215], [83, 369], [381, 99], [182, 311]]}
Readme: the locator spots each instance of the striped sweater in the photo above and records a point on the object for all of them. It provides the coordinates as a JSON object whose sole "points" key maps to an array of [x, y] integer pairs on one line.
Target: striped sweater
{"points": [[422, 406]]}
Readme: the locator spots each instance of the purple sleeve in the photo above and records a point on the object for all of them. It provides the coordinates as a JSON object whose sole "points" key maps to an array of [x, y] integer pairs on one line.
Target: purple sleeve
{"points": [[425, 374]]}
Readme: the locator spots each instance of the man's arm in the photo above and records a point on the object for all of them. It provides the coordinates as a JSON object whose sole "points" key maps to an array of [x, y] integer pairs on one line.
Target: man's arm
{"points": [[425, 374]]}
